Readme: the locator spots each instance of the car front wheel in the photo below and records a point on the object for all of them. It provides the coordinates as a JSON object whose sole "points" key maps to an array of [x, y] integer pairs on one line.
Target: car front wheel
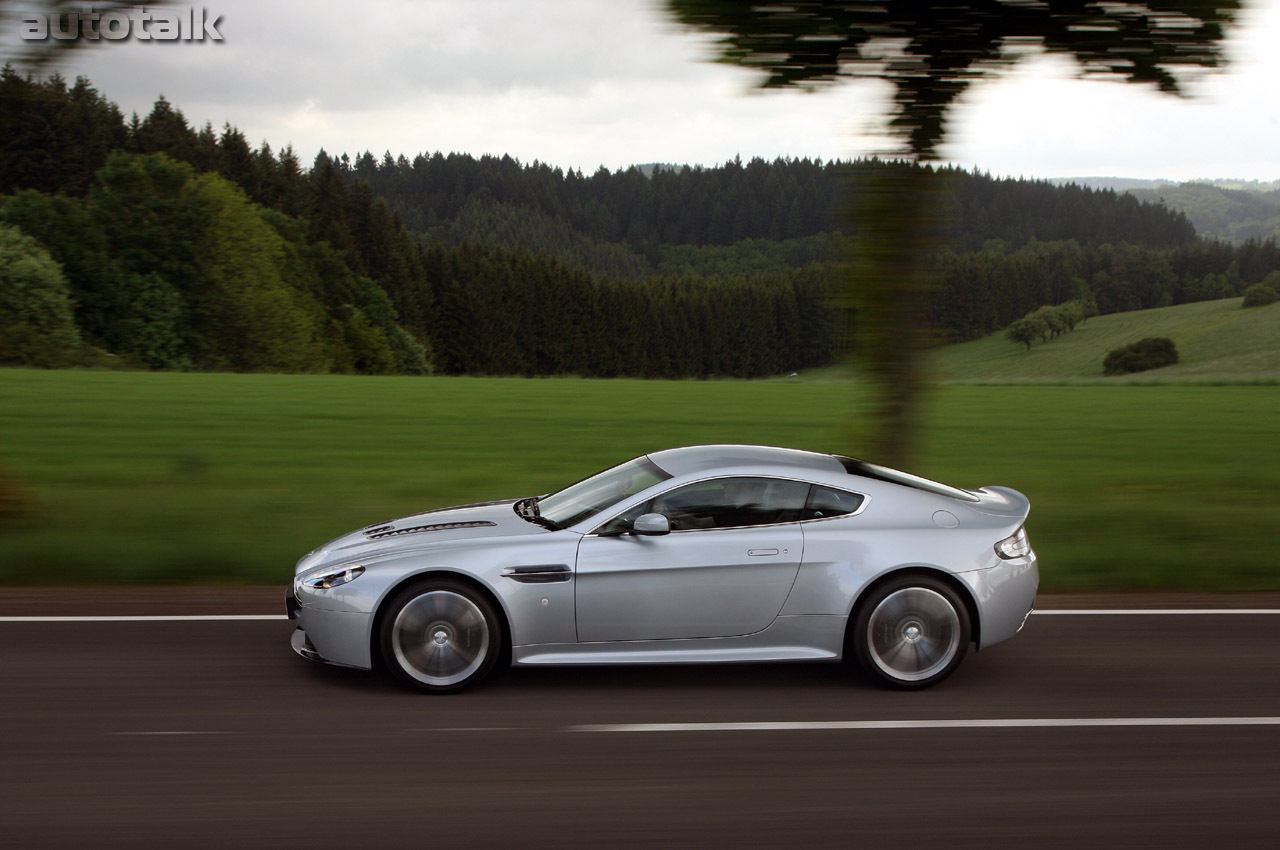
{"points": [[440, 636], [911, 632]]}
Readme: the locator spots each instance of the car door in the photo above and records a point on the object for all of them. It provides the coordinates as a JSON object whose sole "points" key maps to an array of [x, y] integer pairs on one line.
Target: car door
{"points": [[725, 568]]}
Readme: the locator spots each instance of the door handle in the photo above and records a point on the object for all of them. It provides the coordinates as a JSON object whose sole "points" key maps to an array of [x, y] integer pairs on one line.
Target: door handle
{"points": [[762, 551]]}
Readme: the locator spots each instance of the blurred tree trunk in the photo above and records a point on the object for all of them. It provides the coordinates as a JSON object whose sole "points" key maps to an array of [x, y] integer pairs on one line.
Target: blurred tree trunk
{"points": [[899, 220]]}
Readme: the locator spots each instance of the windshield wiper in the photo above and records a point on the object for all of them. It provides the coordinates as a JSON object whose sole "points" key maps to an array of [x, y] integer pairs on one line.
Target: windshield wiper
{"points": [[527, 509]]}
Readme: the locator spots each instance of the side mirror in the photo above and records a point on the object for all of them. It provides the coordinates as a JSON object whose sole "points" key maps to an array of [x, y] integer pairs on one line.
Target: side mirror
{"points": [[651, 525]]}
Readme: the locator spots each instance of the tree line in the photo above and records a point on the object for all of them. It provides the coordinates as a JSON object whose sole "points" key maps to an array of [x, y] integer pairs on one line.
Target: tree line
{"points": [[177, 248], [514, 313], [1045, 323], [631, 216], [188, 248], [984, 291], [171, 269]]}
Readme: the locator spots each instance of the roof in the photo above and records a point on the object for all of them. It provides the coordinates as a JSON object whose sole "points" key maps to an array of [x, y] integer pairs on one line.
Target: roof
{"points": [[692, 460], [695, 459]]}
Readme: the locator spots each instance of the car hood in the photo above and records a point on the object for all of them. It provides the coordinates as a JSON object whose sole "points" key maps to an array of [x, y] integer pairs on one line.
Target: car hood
{"points": [[424, 530]]}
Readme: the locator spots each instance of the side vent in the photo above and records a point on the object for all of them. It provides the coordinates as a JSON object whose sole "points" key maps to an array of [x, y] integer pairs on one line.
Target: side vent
{"points": [[539, 574]]}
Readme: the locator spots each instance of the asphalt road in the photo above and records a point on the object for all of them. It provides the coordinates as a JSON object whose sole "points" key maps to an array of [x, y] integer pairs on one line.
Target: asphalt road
{"points": [[201, 734]]}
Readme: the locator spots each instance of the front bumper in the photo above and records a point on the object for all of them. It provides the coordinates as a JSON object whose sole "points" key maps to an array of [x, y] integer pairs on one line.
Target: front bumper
{"points": [[334, 637], [302, 645]]}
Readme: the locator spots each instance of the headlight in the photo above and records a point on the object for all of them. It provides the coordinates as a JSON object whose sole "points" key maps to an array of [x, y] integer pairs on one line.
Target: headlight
{"points": [[1015, 546], [333, 578]]}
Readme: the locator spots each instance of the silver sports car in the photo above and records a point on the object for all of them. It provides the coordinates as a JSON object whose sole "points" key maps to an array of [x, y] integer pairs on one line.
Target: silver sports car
{"points": [[700, 554]]}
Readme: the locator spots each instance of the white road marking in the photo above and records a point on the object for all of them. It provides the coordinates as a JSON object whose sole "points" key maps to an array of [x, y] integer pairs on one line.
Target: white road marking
{"points": [[992, 723], [1143, 612], [178, 618], [164, 618], [172, 733], [470, 729]]}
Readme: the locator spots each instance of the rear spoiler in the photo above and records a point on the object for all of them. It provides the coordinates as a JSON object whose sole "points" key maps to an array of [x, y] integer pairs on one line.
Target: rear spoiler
{"points": [[1002, 502]]}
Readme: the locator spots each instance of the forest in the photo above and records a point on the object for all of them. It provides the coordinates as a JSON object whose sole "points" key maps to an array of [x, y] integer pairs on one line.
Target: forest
{"points": [[1234, 213], [144, 242]]}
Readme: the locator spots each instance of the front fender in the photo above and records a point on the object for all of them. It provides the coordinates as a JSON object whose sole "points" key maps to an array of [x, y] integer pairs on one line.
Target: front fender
{"points": [[535, 612]]}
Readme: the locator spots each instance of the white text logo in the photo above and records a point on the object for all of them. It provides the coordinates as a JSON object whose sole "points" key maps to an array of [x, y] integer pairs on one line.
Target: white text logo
{"points": [[174, 23]]}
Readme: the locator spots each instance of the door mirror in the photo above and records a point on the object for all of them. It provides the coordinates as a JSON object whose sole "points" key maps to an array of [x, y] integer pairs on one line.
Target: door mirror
{"points": [[651, 525]]}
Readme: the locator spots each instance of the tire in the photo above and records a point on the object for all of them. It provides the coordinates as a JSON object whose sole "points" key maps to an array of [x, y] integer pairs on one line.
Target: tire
{"points": [[910, 632], [440, 635]]}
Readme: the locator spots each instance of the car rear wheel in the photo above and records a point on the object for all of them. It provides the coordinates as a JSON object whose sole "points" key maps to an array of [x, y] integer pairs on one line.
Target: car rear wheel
{"points": [[911, 632], [440, 636]]}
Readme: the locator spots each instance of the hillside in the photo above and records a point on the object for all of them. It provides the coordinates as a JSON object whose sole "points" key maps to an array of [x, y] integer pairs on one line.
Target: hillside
{"points": [[1220, 212], [1234, 211], [1129, 184], [1217, 340]]}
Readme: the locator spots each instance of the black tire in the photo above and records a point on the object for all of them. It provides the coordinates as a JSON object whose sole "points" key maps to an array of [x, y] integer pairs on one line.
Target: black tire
{"points": [[440, 635], [910, 632]]}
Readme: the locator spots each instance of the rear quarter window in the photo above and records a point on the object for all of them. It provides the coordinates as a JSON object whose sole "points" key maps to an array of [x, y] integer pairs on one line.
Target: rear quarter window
{"points": [[825, 502]]}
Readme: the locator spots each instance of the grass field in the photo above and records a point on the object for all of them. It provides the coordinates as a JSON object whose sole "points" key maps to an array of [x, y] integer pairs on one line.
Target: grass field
{"points": [[208, 479], [1216, 340]]}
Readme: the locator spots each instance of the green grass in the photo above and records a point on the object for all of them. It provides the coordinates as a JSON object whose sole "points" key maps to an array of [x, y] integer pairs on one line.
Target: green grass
{"points": [[173, 478], [1217, 342]]}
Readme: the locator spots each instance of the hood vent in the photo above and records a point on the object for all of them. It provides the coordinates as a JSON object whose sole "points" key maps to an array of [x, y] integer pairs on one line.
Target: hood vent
{"points": [[381, 532]]}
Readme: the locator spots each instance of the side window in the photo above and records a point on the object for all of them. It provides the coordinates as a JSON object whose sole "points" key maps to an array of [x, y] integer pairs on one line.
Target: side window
{"points": [[829, 502], [732, 503]]}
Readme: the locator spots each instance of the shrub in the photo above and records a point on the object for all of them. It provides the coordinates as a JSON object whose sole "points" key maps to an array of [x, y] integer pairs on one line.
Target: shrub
{"points": [[1150, 353], [1260, 295], [36, 324], [13, 504]]}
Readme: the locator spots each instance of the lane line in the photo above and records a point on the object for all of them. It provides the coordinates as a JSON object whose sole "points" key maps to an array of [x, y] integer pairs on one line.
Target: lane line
{"points": [[989, 723], [837, 725], [150, 618], [178, 618], [137, 734], [1143, 612], [471, 729]]}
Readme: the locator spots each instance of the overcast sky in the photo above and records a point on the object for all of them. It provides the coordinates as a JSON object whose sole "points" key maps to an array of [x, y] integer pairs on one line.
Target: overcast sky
{"points": [[584, 83]]}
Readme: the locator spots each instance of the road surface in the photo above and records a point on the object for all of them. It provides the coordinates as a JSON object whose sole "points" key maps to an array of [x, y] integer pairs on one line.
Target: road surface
{"points": [[212, 733]]}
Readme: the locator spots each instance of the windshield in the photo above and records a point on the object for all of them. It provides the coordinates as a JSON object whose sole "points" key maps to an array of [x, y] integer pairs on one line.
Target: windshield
{"points": [[592, 495]]}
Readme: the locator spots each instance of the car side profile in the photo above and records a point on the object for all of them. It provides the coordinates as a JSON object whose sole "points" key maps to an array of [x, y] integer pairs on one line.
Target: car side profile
{"points": [[701, 554]]}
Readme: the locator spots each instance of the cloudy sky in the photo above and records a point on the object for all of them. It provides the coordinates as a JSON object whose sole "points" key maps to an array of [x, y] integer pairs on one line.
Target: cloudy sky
{"points": [[584, 83]]}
